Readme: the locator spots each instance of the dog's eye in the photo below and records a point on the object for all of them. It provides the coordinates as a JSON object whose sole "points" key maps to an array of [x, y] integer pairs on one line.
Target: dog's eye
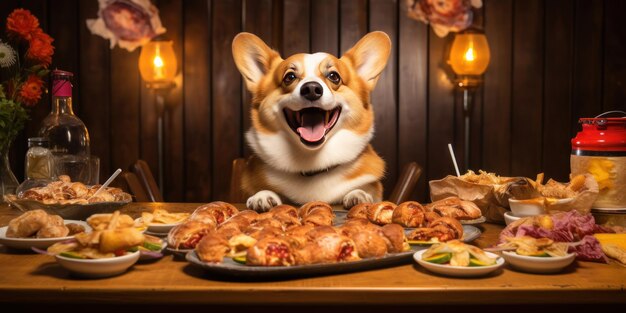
{"points": [[289, 78], [334, 77]]}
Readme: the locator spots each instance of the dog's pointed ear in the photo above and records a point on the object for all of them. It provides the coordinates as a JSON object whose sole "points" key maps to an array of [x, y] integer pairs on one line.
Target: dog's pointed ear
{"points": [[369, 56], [253, 58]]}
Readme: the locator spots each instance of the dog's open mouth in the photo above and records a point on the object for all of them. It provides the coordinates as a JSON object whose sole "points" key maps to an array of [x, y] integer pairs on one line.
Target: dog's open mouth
{"points": [[312, 124]]}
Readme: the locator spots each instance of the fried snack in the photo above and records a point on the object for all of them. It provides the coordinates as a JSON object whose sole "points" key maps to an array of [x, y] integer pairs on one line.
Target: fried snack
{"points": [[526, 245], [27, 224], [359, 210], [161, 216], [75, 228], [615, 252], [271, 251], [112, 240], [188, 234], [381, 213], [409, 214], [212, 248], [102, 221]]}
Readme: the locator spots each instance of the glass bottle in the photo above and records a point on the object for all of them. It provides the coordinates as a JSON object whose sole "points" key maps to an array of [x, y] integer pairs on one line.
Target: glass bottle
{"points": [[67, 135]]}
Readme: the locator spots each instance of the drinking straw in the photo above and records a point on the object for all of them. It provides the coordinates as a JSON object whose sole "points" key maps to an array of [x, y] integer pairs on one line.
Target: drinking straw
{"points": [[106, 183], [456, 167]]}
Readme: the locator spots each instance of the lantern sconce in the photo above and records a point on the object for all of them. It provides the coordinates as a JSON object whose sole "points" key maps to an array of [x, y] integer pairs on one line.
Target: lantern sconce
{"points": [[158, 68]]}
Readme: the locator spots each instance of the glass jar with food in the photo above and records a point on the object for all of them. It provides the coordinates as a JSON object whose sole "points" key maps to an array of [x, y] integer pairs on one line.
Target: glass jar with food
{"points": [[600, 149]]}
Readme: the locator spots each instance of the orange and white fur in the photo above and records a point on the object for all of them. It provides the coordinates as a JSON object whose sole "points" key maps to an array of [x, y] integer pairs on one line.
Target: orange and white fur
{"points": [[312, 122]]}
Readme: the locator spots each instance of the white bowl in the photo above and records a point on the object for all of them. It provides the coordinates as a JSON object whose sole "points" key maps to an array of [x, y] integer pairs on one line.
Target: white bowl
{"points": [[510, 218], [458, 271], [97, 268], [541, 265], [527, 207], [41, 243]]}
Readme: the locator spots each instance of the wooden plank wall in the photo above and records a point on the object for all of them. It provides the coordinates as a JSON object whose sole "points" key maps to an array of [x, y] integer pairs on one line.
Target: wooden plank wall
{"points": [[552, 62]]}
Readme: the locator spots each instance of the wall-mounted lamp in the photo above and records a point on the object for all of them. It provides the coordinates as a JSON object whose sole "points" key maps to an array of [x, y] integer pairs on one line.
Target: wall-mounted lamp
{"points": [[469, 58], [158, 68]]}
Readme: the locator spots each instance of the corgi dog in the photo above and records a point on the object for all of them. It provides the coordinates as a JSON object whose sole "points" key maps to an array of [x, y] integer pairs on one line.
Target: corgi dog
{"points": [[312, 122]]}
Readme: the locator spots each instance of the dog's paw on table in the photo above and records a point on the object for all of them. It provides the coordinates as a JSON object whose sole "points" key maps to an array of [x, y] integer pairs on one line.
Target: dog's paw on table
{"points": [[355, 197], [263, 201]]}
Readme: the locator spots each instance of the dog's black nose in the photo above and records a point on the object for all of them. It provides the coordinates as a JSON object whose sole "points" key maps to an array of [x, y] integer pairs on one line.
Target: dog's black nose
{"points": [[311, 91]]}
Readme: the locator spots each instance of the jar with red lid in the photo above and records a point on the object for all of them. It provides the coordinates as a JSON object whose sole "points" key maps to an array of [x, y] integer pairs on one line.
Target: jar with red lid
{"points": [[600, 149]]}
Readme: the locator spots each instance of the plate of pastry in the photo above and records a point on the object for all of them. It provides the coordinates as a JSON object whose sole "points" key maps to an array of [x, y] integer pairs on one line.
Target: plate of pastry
{"points": [[70, 200], [40, 230], [458, 259]]}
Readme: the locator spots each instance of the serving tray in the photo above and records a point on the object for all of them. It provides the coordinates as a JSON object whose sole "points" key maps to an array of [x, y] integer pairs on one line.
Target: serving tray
{"points": [[231, 268]]}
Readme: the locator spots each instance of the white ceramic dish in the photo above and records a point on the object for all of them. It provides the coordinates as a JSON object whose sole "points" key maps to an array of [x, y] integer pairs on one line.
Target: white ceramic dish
{"points": [[157, 228], [541, 265], [41, 243], [536, 206], [459, 271], [510, 218], [98, 268]]}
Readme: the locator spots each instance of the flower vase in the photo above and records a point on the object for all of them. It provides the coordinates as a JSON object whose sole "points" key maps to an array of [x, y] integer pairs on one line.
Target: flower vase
{"points": [[8, 182]]}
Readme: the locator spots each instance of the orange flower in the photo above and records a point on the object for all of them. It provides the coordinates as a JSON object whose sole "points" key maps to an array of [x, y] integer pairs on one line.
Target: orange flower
{"points": [[30, 92], [40, 49], [22, 23]]}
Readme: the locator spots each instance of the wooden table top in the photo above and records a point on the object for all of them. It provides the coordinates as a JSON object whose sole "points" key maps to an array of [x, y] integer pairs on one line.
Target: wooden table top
{"points": [[25, 276]]}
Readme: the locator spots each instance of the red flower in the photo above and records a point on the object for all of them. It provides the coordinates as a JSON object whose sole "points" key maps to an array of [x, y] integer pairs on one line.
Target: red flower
{"points": [[30, 92], [22, 23], [40, 49]]}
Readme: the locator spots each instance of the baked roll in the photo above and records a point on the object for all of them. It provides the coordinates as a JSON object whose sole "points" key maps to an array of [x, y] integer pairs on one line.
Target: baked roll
{"points": [[359, 211], [381, 213], [220, 211], [333, 248], [370, 244], [443, 229], [309, 208], [229, 229], [396, 239], [212, 248], [271, 251], [27, 224], [188, 234], [285, 209], [409, 214], [356, 225], [244, 218], [267, 231], [319, 218], [287, 219], [455, 208], [53, 231]]}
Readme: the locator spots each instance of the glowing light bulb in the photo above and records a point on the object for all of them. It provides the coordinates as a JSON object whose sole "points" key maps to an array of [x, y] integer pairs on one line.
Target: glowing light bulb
{"points": [[470, 56], [158, 62]]}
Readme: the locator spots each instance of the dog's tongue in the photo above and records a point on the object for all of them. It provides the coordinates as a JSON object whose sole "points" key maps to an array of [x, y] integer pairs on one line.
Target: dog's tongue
{"points": [[312, 128]]}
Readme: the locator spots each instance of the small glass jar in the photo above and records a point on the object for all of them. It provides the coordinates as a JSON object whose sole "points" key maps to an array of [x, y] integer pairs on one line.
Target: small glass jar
{"points": [[600, 149], [39, 160], [38, 165]]}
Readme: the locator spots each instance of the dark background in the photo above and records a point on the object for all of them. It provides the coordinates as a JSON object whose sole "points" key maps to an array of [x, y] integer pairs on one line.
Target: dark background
{"points": [[552, 63]]}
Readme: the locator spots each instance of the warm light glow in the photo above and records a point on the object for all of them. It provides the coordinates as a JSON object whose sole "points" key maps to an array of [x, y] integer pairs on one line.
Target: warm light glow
{"points": [[157, 62], [469, 54]]}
